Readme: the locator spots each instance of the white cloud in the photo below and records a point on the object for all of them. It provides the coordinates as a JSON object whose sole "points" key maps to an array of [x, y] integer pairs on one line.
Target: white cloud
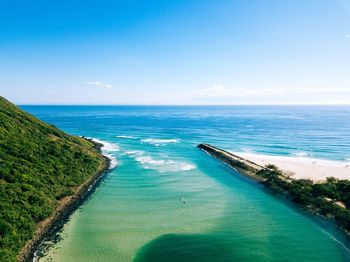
{"points": [[219, 91], [98, 84], [347, 35]]}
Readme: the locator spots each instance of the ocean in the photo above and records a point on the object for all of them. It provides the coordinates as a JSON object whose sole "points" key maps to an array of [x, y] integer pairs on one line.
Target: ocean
{"points": [[165, 200]]}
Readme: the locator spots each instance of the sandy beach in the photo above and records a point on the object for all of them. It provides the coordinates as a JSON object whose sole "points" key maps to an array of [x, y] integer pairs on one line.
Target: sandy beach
{"points": [[301, 167]]}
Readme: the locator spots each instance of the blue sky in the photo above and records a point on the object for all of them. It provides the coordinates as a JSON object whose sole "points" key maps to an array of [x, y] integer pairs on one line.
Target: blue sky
{"points": [[175, 52]]}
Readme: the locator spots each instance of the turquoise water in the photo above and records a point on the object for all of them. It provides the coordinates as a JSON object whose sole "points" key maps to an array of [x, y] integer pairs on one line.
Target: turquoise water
{"points": [[168, 201]]}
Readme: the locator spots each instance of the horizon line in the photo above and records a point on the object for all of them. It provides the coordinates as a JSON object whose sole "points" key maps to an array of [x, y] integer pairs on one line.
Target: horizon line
{"points": [[194, 105]]}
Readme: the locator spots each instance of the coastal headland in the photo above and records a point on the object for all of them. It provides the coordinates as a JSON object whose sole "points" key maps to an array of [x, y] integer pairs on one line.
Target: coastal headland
{"points": [[329, 198], [45, 175], [64, 209]]}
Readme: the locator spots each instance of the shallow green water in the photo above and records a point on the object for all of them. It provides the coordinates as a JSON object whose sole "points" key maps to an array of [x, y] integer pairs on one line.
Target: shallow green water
{"points": [[168, 201], [139, 214]]}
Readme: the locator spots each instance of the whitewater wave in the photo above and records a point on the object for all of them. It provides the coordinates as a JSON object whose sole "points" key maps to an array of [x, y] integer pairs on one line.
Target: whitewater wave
{"points": [[159, 142], [161, 165], [107, 149], [126, 137], [302, 154], [247, 150]]}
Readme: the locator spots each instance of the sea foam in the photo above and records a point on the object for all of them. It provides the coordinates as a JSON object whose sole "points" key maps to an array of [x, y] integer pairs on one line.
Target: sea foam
{"points": [[126, 137], [107, 149], [303, 154], [159, 142], [161, 165]]}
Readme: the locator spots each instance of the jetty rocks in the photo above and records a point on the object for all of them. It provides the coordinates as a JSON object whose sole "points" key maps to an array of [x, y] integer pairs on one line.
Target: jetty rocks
{"points": [[238, 163]]}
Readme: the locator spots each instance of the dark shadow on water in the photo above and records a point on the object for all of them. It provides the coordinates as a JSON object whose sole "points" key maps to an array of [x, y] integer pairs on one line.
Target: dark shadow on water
{"points": [[187, 247]]}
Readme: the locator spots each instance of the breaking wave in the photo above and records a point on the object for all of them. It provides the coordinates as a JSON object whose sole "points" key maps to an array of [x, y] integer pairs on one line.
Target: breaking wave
{"points": [[159, 142], [126, 137], [302, 154], [107, 149], [161, 165]]}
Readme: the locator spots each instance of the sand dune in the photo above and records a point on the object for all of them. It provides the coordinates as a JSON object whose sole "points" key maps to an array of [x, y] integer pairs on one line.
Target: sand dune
{"points": [[301, 167]]}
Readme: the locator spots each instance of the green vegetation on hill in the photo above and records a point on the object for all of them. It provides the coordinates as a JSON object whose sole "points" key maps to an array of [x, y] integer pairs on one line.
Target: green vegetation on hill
{"points": [[39, 165], [330, 199]]}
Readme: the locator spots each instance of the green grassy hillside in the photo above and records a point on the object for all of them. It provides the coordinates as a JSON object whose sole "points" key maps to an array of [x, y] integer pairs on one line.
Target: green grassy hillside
{"points": [[39, 165]]}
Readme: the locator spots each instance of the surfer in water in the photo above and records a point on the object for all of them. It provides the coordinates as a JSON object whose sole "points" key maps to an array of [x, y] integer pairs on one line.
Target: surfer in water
{"points": [[182, 199]]}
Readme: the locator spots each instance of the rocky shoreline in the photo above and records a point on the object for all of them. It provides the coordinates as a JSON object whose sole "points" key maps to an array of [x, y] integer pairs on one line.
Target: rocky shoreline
{"points": [[255, 172], [242, 165], [65, 208]]}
